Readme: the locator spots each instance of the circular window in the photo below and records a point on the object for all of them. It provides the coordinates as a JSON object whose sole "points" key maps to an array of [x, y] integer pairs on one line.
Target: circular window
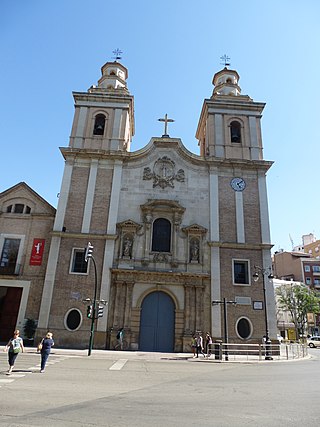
{"points": [[244, 328], [73, 319]]}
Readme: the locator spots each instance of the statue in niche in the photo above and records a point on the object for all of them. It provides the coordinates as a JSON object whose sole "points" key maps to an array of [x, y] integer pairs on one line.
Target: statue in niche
{"points": [[194, 250], [127, 247]]}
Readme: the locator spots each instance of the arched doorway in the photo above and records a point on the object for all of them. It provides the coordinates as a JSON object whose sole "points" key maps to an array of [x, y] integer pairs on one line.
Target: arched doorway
{"points": [[157, 323]]}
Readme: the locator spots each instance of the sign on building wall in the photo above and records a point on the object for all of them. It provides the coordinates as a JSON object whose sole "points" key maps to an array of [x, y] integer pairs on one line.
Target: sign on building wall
{"points": [[291, 334], [37, 252]]}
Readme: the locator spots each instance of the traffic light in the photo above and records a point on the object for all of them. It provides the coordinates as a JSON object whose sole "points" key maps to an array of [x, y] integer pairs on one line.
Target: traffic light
{"points": [[89, 311], [100, 310], [88, 252]]}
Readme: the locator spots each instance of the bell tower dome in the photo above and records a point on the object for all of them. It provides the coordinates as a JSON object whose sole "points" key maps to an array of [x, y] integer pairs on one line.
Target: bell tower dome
{"points": [[104, 115], [226, 83], [229, 125]]}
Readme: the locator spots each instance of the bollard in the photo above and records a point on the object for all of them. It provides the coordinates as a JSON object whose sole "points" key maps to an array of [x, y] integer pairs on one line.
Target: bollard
{"points": [[218, 350]]}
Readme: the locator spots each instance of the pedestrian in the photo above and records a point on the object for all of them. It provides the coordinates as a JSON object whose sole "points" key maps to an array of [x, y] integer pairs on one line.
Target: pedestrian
{"points": [[14, 346], [208, 344], [200, 345], [45, 348], [120, 335], [194, 345]]}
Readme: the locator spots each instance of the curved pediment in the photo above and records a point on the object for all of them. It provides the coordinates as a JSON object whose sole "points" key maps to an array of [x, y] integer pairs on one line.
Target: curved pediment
{"points": [[162, 205]]}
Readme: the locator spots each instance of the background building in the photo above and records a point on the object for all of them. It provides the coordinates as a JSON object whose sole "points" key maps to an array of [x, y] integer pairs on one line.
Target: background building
{"points": [[297, 266]]}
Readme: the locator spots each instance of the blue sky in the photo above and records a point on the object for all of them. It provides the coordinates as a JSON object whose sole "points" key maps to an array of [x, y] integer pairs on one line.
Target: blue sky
{"points": [[172, 49]]}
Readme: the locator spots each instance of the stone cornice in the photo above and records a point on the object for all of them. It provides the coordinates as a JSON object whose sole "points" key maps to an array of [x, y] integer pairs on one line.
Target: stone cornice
{"points": [[243, 246], [158, 274], [127, 157], [68, 235]]}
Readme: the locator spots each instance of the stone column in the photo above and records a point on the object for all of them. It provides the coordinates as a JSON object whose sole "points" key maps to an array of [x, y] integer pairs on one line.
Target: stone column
{"points": [[187, 311], [128, 305], [147, 236]]}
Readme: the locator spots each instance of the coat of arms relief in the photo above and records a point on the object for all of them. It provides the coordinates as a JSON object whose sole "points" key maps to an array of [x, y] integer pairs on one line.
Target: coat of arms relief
{"points": [[163, 173]]}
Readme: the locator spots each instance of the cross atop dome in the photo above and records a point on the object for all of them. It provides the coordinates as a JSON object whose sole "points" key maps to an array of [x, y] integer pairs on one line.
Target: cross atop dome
{"points": [[225, 60]]}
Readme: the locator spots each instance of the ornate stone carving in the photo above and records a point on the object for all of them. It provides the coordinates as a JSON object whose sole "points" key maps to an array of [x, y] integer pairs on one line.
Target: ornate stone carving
{"points": [[127, 246], [160, 257], [163, 174], [127, 230], [194, 250]]}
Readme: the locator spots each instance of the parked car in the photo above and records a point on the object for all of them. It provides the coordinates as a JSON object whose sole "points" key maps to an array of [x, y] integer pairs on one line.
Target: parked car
{"points": [[313, 341]]}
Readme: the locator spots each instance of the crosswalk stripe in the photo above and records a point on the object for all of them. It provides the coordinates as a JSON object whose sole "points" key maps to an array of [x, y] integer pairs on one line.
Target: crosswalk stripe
{"points": [[6, 381], [119, 364]]}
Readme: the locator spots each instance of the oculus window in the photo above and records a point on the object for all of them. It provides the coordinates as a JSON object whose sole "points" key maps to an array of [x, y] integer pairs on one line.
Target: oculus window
{"points": [[73, 319], [244, 328]]}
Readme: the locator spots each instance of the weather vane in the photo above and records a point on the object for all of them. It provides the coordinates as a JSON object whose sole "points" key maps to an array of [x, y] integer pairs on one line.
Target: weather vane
{"points": [[225, 60], [117, 54]]}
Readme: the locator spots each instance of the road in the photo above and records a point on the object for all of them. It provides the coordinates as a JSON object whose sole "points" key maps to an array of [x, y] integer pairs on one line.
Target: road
{"points": [[131, 389]]}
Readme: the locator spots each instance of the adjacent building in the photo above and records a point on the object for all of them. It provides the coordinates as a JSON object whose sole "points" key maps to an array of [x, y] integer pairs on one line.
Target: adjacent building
{"points": [[26, 221], [297, 266]]}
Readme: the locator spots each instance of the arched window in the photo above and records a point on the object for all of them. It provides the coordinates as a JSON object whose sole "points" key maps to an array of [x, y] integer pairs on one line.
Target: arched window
{"points": [[235, 132], [99, 124], [161, 236]]}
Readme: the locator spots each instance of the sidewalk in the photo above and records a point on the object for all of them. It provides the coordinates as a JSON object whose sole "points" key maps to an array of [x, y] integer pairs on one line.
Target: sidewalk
{"points": [[284, 355]]}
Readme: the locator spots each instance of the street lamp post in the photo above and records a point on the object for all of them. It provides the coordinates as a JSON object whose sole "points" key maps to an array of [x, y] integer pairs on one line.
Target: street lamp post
{"points": [[225, 303], [264, 272]]}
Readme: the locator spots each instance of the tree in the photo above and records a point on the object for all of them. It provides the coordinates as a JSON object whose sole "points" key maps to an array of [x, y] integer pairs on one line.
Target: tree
{"points": [[29, 328], [298, 300]]}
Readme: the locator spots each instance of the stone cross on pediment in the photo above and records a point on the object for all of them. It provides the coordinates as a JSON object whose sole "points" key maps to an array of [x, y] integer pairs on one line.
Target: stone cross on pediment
{"points": [[166, 121]]}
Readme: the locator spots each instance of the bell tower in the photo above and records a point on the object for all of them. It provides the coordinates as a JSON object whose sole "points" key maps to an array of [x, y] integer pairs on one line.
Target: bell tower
{"points": [[104, 115], [229, 125]]}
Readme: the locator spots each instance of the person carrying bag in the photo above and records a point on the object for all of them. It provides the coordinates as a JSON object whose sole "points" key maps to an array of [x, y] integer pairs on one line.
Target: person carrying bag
{"points": [[14, 347]]}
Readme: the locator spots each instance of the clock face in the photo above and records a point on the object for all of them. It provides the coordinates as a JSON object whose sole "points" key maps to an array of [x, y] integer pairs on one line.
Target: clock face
{"points": [[238, 184]]}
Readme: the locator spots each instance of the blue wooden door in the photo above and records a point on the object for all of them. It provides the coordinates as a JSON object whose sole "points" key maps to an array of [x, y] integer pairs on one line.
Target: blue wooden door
{"points": [[157, 323]]}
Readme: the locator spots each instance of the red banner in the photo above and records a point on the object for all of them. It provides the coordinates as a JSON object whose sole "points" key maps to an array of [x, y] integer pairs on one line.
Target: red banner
{"points": [[37, 252]]}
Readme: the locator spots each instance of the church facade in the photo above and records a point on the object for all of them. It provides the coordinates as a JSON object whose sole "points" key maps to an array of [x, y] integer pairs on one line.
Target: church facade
{"points": [[171, 231]]}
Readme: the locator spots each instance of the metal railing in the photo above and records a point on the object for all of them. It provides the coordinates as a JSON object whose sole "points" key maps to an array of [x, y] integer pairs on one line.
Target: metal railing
{"points": [[238, 352]]}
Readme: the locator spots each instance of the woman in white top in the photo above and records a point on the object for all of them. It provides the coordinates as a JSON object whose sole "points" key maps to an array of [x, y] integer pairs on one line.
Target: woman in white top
{"points": [[14, 346]]}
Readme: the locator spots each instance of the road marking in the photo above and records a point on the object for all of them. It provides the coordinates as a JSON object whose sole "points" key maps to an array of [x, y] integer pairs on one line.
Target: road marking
{"points": [[17, 375], [119, 364], [6, 381]]}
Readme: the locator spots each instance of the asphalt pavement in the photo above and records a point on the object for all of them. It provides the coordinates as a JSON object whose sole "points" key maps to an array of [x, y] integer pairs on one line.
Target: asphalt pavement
{"points": [[140, 389]]}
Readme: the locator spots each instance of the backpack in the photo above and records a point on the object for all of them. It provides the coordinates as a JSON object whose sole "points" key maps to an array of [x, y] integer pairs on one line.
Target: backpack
{"points": [[16, 346]]}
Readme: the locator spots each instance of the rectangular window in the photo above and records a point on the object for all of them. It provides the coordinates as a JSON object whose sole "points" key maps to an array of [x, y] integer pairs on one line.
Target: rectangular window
{"points": [[316, 268], [78, 264], [241, 272], [307, 268], [317, 282], [308, 280], [9, 256]]}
